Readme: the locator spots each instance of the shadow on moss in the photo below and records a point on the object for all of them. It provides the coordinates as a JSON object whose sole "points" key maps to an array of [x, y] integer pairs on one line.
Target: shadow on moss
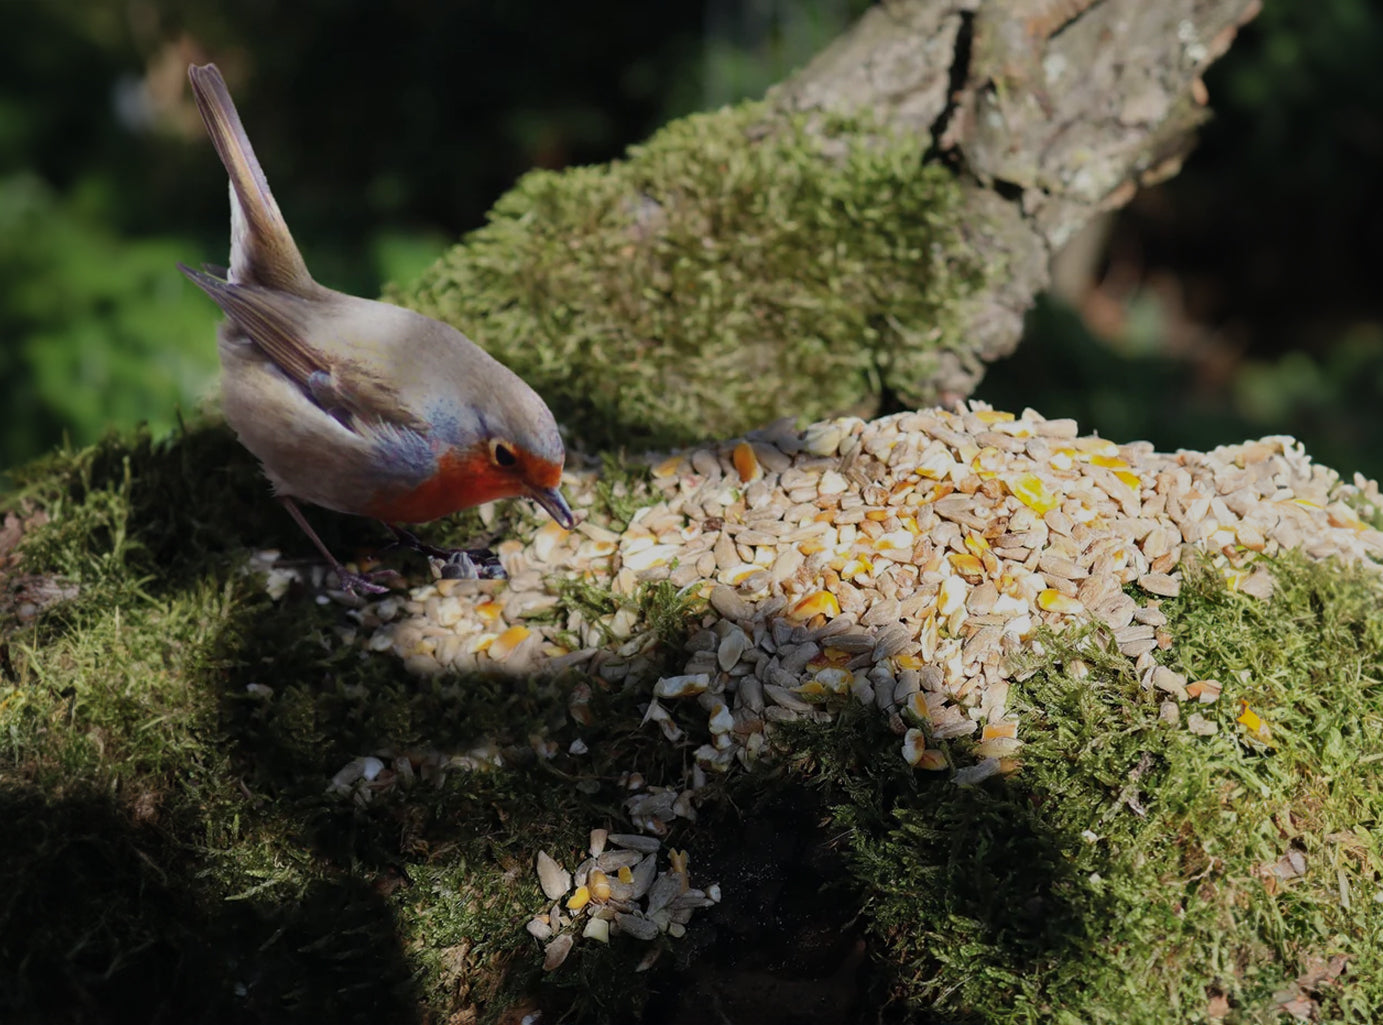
{"points": [[108, 919]]}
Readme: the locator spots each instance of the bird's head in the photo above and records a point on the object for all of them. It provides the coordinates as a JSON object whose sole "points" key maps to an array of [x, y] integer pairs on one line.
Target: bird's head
{"points": [[518, 452], [515, 467]]}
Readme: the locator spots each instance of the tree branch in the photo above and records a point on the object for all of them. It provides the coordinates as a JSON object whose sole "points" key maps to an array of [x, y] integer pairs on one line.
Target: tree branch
{"points": [[1053, 112]]}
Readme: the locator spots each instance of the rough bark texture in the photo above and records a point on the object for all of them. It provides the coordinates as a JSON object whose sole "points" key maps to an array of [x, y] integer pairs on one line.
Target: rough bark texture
{"points": [[1053, 111]]}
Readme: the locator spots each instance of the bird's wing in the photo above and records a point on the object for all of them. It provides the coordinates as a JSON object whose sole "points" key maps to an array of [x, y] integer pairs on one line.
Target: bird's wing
{"points": [[282, 326]]}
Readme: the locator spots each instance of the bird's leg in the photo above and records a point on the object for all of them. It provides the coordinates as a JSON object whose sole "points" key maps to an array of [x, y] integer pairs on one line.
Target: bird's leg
{"points": [[350, 582], [458, 563]]}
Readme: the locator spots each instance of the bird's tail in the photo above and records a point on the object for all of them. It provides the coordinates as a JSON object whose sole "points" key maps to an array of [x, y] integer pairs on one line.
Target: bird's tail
{"points": [[262, 249]]}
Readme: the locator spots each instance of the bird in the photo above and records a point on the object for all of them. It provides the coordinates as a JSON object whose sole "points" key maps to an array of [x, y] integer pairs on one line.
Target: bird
{"points": [[354, 405]]}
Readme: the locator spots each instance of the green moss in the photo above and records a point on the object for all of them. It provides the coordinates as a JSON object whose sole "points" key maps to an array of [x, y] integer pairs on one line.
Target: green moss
{"points": [[624, 487], [662, 611], [1126, 873], [732, 270], [170, 847]]}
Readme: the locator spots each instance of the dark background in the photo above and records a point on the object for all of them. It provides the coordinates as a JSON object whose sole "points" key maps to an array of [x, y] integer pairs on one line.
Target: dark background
{"points": [[1241, 298]]}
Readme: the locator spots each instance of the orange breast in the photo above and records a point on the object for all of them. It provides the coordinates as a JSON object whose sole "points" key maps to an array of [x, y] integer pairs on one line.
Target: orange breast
{"points": [[460, 482]]}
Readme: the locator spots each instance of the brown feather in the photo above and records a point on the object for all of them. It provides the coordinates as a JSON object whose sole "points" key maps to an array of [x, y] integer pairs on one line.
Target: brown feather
{"points": [[277, 323], [273, 256]]}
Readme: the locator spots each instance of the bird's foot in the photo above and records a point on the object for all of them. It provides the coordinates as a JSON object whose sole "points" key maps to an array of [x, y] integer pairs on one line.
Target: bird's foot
{"points": [[457, 563], [471, 564], [364, 584]]}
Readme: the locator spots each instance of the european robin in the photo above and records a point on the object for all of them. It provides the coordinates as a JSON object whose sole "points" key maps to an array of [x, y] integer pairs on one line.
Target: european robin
{"points": [[356, 405]]}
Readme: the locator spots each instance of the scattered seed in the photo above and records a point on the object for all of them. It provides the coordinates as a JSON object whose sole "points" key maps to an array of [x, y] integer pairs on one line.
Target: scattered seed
{"points": [[554, 879]]}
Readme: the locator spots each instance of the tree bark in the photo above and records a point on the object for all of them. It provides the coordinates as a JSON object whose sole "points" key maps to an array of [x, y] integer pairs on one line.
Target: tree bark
{"points": [[1052, 111]]}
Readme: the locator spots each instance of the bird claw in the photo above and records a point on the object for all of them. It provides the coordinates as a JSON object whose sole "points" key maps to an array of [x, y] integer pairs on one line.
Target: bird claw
{"points": [[472, 564], [363, 584], [457, 563]]}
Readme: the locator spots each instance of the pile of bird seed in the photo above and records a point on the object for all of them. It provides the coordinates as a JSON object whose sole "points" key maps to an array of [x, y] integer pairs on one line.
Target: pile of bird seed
{"points": [[905, 563]]}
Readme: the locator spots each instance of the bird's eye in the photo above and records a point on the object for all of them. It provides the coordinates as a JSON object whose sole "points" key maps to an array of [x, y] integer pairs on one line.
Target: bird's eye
{"points": [[502, 454]]}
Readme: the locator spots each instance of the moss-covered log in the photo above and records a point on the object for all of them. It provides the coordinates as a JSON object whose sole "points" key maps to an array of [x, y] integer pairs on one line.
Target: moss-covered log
{"points": [[738, 267], [874, 230]]}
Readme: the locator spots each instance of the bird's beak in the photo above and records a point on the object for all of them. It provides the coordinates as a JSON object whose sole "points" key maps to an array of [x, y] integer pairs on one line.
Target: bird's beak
{"points": [[551, 499]]}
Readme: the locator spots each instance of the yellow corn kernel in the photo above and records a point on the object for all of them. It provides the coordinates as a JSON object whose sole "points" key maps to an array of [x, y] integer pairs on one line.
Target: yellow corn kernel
{"points": [[932, 760], [836, 680], [738, 574], [1130, 478], [832, 658], [966, 564], [992, 416], [1052, 600], [908, 662], [1249, 718], [1029, 489], [1110, 462], [821, 603], [976, 544], [625, 874], [951, 596], [937, 492], [914, 746], [579, 899], [669, 467], [504, 645], [551, 530], [746, 462], [896, 540], [599, 885], [488, 610], [860, 566], [996, 730], [1095, 446]]}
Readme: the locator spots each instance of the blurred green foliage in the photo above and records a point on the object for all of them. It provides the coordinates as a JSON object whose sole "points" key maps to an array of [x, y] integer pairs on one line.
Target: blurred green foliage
{"points": [[98, 331]]}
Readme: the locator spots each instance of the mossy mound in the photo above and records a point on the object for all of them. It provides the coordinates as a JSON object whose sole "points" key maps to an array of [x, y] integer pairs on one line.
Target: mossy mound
{"points": [[171, 850], [1135, 870], [732, 270]]}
